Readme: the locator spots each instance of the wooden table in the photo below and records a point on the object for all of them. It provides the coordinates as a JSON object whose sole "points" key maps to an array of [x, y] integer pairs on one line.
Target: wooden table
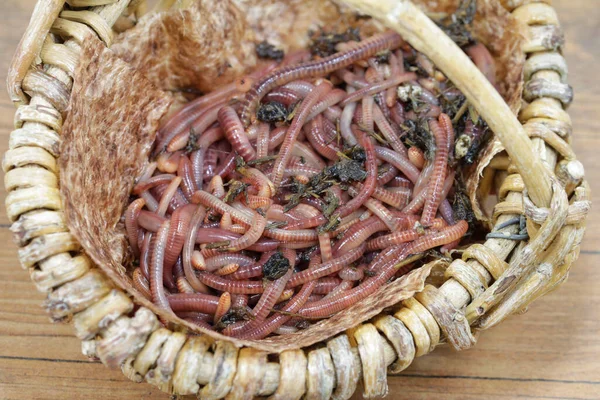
{"points": [[551, 352]]}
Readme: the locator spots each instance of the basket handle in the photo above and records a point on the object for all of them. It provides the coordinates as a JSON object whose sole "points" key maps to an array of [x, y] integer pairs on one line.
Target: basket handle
{"points": [[30, 46], [415, 27]]}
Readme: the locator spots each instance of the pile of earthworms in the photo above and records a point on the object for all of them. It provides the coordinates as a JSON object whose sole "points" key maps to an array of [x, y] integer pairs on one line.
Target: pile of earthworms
{"points": [[301, 189]]}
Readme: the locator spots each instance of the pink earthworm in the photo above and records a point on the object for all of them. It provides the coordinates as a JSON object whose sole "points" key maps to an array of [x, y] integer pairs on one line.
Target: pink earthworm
{"points": [[235, 133], [315, 136], [399, 161], [131, 224], [435, 187], [200, 302], [379, 87], [371, 46], [156, 268]]}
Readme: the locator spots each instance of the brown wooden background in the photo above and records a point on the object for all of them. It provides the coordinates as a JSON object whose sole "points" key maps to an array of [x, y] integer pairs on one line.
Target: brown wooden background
{"points": [[552, 352]]}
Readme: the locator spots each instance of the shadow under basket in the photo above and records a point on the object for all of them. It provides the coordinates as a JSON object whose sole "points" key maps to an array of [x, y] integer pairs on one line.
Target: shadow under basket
{"points": [[539, 179]]}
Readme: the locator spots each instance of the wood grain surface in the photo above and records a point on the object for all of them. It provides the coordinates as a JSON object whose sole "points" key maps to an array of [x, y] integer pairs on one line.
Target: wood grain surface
{"points": [[551, 352]]}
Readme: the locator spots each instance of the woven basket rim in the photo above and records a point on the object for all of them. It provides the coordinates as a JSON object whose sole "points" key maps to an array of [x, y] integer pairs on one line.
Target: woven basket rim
{"points": [[555, 211]]}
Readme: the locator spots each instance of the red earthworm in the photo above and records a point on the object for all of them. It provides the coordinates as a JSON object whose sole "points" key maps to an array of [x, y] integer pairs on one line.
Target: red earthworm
{"points": [[397, 113], [395, 238], [168, 194], [278, 319], [370, 285], [198, 261], [275, 212], [262, 140], [400, 181], [277, 136], [239, 301], [141, 284], [285, 151], [178, 142], [156, 268], [223, 306], [299, 235], [149, 183], [299, 86], [365, 192], [343, 286], [327, 268], [255, 202], [333, 113], [313, 69], [346, 121], [325, 247], [231, 286], [180, 224], [210, 201], [388, 133], [327, 100], [446, 212], [386, 173], [378, 209], [298, 245], [303, 211], [350, 221], [282, 95], [253, 270], [326, 285], [349, 273], [195, 317], [177, 197], [424, 178], [367, 113], [390, 93], [315, 136], [197, 160], [417, 202], [227, 269], [416, 156], [446, 124], [435, 187], [199, 302], [149, 220], [235, 133], [271, 294], [197, 121], [286, 330], [351, 79], [379, 87], [221, 260], [330, 131], [398, 199], [483, 60], [285, 296], [225, 222], [251, 236], [145, 255], [151, 203], [399, 161], [131, 224], [182, 118], [306, 153], [259, 180], [188, 250], [296, 57], [188, 183], [183, 286], [358, 234], [227, 166], [299, 169]]}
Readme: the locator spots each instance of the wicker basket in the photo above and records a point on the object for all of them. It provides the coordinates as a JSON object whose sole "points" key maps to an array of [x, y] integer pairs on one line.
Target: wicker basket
{"points": [[490, 282]]}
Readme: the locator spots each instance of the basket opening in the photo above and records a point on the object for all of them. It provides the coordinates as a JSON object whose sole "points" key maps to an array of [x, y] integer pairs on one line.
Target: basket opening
{"points": [[95, 199]]}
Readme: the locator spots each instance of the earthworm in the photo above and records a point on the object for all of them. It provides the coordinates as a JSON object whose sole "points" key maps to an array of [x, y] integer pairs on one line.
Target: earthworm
{"points": [[231, 286], [390, 93], [156, 267], [327, 100], [373, 45], [346, 122], [315, 136], [253, 270], [358, 234], [327, 268], [222, 307], [282, 95], [483, 60], [294, 129], [269, 297], [378, 87], [199, 302], [188, 250], [368, 103], [326, 285], [235, 133], [435, 187], [183, 286], [262, 141], [180, 224], [141, 284], [416, 156], [399, 161], [188, 183], [308, 155], [227, 269], [131, 224], [352, 273]]}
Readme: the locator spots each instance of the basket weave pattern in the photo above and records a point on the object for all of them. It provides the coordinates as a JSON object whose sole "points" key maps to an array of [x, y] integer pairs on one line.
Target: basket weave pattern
{"points": [[488, 284]]}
